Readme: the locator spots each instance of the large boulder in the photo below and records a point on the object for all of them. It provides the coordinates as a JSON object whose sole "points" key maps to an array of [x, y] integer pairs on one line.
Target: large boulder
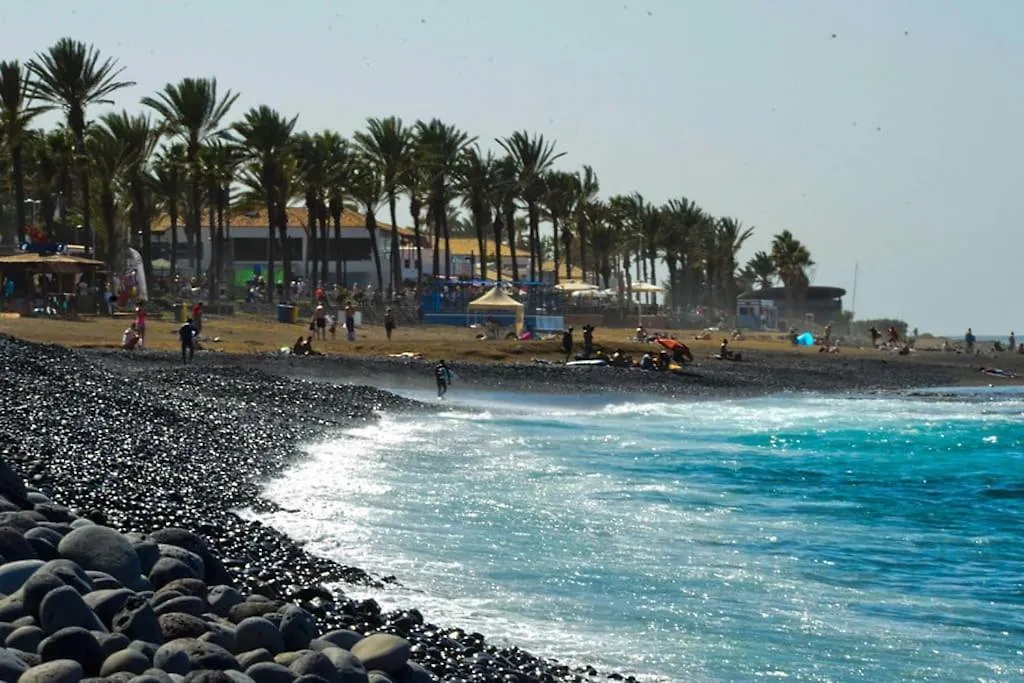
{"points": [[25, 638], [107, 603], [188, 654], [350, 669], [13, 546], [185, 604], [14, 574], [194, 561], [213, 569], [12, 487], [103, 549], [317, 664], [270, 672], [10, 666], [298, 627], [383, 651], [63, 607], [255, 633], [57, 671], [138, 621], [168, 569], [73, 643], [177, 625], [222, 598], [342, 638], [127, 660]]}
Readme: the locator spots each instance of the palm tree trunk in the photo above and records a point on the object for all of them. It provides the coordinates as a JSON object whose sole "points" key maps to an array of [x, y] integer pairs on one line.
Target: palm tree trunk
{"points": [[109, 210], [396, 253], [174, 240], [222, 203], [271, 239], [510, 221], [142, 225], [447, 243], [534, 239], [197, 223], [554, 245], [325, 255], [414, 209], [371, 227], [19, 190], [497, 244], [211, 272], [481, 242], [80, 160], [436, 234], [311, 255], [583, 248], [286, 256], [336, 212]]}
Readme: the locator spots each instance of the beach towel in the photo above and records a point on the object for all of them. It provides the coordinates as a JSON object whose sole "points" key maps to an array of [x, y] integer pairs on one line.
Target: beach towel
{"points": [[805, 339]]}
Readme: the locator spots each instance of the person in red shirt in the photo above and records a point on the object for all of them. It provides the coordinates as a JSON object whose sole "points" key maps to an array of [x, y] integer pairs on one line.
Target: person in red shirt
{"points": [[197, 317], [140, 323]]}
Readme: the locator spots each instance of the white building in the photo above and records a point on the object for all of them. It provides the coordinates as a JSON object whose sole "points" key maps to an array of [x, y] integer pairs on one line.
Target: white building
{"points": [[247, 248]]}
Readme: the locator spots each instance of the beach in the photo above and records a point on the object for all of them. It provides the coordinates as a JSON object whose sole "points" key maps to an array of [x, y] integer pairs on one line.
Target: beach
{"points": [[139, 442]]}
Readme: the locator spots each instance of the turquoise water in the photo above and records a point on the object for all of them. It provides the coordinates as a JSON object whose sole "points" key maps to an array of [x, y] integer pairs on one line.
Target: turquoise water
{"points": [[797, 537]]}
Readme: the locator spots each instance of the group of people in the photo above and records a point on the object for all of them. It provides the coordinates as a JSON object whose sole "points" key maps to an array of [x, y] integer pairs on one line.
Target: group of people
{"points": [[321, 323]]}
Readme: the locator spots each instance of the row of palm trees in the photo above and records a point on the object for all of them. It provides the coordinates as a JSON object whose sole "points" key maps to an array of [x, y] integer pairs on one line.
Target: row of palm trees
{"points": [[182, 157]]}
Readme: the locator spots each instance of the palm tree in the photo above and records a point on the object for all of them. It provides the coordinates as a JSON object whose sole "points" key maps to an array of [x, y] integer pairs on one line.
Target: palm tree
{"points": [[219, 159], [476, 184], [367, 188], [388, 143], [266, 139], [506, 192], [585, 194], [730, 237], [684, 222], [47, 165], [762, 270], [168, 182], [533, 157], [440, 148], [138, 138], [311, 154], [556, 201], [339, 168], [192, 112], [792, 259], [16, 113], [107, 161], [70, 75]]}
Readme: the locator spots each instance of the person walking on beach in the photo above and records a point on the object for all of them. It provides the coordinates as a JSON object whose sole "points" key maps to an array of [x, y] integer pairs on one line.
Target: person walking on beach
{"points": [[567, 343], [320, 322], [969, 340], [350, 321], [444, 377], [588, 341], [1013, 341], [187, 334], [389, 322]]}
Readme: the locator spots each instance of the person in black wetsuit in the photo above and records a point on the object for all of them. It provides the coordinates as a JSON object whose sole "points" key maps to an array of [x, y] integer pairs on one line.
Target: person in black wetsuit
{"points": [[187, 333], [444, 377]]}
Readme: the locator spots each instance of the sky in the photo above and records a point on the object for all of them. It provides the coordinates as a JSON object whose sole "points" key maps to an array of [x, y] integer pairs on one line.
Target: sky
{"points": [[885, 134]]}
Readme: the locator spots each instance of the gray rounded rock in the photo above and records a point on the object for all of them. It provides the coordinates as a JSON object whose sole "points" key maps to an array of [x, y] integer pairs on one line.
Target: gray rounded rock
{"points": [[152, 676], [247, 659], [177, 625], [103, 549], [382, 651], [127, 660], [197, 655], [415, 673], [317, 664], [184, 604], [253, 608], [222, 599], [13, 575], [64, 607], [193, 587], [148, 553], [342, 638], [219, 635], [57, 671], [11, 667], [13, 546], [12, 487], [298, 627], [70, 573], [168, 569], [111, 642], [106, 603], [194, 561], [256, 632], [138, 621], [75, 643], [379, 677], [25, 638], [36, 588], [270, 672], [350, 669]]}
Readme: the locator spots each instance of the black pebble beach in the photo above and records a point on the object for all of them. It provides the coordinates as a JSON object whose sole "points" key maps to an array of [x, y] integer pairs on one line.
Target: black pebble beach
{"points": [[121, 558]]}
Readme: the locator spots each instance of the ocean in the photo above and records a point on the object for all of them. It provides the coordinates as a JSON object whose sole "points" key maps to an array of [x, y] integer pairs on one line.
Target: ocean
{"points": [[797, 537]]}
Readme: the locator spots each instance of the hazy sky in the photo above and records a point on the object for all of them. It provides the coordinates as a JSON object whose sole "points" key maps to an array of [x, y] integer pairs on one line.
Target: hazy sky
{"points": [[895, 144]]}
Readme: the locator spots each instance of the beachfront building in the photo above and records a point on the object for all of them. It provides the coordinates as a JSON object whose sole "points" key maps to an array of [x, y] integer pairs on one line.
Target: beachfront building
{"points": [[768, 308], [465, 261], [247, 249]]}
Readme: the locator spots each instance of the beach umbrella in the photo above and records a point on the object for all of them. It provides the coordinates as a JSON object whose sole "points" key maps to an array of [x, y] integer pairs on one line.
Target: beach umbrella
{"points": [[575, 286]]}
